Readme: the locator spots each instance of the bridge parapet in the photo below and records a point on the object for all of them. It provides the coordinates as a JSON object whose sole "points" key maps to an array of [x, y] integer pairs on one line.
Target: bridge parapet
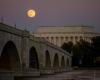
{"points": [[13, 30]]}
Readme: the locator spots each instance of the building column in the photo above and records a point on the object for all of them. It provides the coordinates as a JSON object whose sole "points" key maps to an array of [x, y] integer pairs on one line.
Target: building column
{"points": [[50, 39], [55, 41], [59, 41]]}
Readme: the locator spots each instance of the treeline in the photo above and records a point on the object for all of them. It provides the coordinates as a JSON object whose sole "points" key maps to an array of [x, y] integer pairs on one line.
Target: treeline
{"points": [[84, 54]]}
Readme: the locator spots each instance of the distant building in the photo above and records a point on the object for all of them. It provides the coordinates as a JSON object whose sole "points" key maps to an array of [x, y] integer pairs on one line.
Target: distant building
{"points": [[59, 35]]}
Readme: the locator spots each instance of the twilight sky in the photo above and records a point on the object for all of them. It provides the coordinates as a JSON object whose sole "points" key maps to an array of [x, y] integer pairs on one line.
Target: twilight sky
{"points": [[51, 13]]}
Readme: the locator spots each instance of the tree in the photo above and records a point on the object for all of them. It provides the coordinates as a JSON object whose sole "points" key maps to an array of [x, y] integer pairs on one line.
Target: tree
{"points": [[82, 54], [96, 42], [96, 49], [67, 46]]}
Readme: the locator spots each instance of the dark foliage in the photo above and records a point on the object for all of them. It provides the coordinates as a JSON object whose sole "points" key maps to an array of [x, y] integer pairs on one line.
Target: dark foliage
{"points": [[85, 54], [67, 46]]}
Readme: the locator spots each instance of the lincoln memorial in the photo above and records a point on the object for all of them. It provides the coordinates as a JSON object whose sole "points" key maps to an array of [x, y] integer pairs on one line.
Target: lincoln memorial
{"points": [[60, 34]]}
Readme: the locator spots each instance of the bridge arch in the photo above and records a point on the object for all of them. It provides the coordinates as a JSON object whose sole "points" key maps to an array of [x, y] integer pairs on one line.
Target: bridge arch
{"points": [[33, 58], [9, 59], [47, 59], [56, 61], [63, 62]]}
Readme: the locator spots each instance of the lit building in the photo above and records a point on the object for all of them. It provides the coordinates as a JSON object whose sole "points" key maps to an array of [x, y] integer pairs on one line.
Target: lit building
{"points": [[61, 34]]}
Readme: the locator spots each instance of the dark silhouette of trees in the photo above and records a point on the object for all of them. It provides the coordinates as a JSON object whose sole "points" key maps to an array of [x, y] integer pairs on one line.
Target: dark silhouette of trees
{"points": [[82, 53], [67, 46], [85, 54], [96, 50]]}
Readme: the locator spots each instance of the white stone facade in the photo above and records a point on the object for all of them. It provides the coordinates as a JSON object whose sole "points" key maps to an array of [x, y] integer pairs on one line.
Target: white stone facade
{"points": [[61, 34]]}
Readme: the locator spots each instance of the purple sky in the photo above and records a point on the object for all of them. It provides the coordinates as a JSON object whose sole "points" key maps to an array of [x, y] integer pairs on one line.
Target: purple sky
{"points": [[51, 13]]}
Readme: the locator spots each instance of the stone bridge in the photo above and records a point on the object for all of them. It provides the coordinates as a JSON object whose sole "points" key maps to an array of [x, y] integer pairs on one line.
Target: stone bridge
{"points": [[22, 54]]}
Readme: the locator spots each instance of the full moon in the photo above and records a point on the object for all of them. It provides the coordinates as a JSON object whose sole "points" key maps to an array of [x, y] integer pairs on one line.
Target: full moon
{"points": [[31, 13]]}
